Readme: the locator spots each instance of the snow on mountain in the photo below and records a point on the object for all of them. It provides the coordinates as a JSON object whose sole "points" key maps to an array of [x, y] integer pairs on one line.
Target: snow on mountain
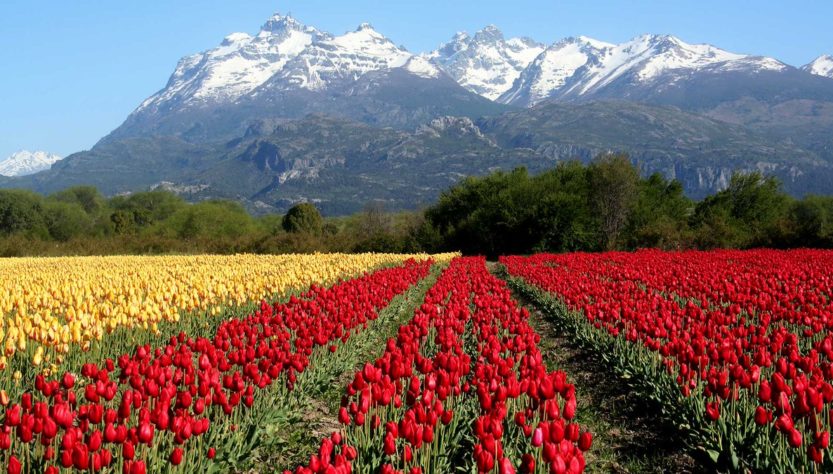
{"points": [[552, 68], [287, 55], [579, 66], [485, 63], [421, 67], [239, 65], [24, 162], [822, 66], [283, 55], [345, 57]]}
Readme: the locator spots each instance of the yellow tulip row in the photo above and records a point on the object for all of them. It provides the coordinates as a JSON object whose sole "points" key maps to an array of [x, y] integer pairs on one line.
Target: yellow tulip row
{"points": [[59, 302]]}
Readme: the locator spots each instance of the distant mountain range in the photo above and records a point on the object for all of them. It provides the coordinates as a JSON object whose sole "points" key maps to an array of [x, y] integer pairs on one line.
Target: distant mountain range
{"points": [[294, 113], [23, 163]]}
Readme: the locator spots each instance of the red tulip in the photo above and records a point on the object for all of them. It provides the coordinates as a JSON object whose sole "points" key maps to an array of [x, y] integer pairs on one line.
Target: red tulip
{"points": [[585, 440], [176, 456], [537, 437], [795, 438], [761, 416], [14, 465], [506, 466]]}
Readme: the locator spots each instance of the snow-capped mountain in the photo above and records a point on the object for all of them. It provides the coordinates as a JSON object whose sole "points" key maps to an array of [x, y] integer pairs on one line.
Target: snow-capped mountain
{"points": [[582, 66], [292, 111], [239, 65], [283, 55], [821, 66], [485, 63], [345, 58], [287, 56], [25, 162], [552, 68]]}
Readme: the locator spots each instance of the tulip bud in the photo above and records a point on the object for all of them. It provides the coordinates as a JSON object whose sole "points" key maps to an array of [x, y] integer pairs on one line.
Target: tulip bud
{"points": [[176, 456], [537, 437], [585, 440], [506, 466]]}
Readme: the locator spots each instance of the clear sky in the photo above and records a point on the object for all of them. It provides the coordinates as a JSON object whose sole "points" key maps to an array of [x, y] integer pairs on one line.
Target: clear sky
{"points": [[72, 70]]}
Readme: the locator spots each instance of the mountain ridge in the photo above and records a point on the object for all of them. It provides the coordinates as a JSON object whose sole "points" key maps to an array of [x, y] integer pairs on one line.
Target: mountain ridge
{"points": [[231, 120]]}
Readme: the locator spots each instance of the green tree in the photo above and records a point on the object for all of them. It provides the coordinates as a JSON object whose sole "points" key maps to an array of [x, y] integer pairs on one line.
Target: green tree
{"points": [[475, 216], [21, 212], [303, 217], [149, 207], [212, 220], [123, 222], [562, 210], [811, 221], [749, 212], [660, 215], [67, 220], [614, 182], [87, 197]]}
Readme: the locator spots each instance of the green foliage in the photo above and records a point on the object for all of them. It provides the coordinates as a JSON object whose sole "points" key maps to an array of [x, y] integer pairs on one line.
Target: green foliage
{"points": [[303, 217], [149, 207], [218, 219], [66, 220], [748, 213], [570, 207], [87, 197], [606, 205], [614, 182], [659, 215], [479, 214], [21, 212], [124, 222], [811, 222]]}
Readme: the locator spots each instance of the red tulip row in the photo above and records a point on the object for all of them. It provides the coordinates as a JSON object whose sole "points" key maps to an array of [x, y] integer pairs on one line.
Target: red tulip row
{"points": [[466, 367], [153, 408], [748, 333]]}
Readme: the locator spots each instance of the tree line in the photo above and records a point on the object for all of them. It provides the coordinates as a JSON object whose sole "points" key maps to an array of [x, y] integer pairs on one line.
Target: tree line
{"points": [[604, 205], [80, 221]]}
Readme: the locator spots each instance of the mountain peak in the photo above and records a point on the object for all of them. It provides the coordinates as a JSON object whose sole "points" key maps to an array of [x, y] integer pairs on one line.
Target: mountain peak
{"points": [[490, 33], [364, 27], [460, 36], [24, 162], [279, 23], [580, 66], [486, 63], [821, 66]]}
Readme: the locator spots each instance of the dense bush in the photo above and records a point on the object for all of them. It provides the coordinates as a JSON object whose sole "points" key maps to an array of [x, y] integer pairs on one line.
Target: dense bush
{"points": [[303, 217]]}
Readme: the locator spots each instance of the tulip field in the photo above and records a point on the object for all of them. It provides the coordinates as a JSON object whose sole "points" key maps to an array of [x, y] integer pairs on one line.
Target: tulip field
{"points": [[53, 304], [387, 363], [735, 345]]}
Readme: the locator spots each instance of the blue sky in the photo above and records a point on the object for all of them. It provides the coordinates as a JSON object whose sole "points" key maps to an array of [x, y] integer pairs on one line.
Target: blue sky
{"points": [[71, 71]]}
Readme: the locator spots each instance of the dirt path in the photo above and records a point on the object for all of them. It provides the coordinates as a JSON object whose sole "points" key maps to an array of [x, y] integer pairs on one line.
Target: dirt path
{"points": [[629, 436]]}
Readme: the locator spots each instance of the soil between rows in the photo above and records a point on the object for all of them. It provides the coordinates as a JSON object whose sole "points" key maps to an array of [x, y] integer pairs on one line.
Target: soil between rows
{"points": [[629, 435]]}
